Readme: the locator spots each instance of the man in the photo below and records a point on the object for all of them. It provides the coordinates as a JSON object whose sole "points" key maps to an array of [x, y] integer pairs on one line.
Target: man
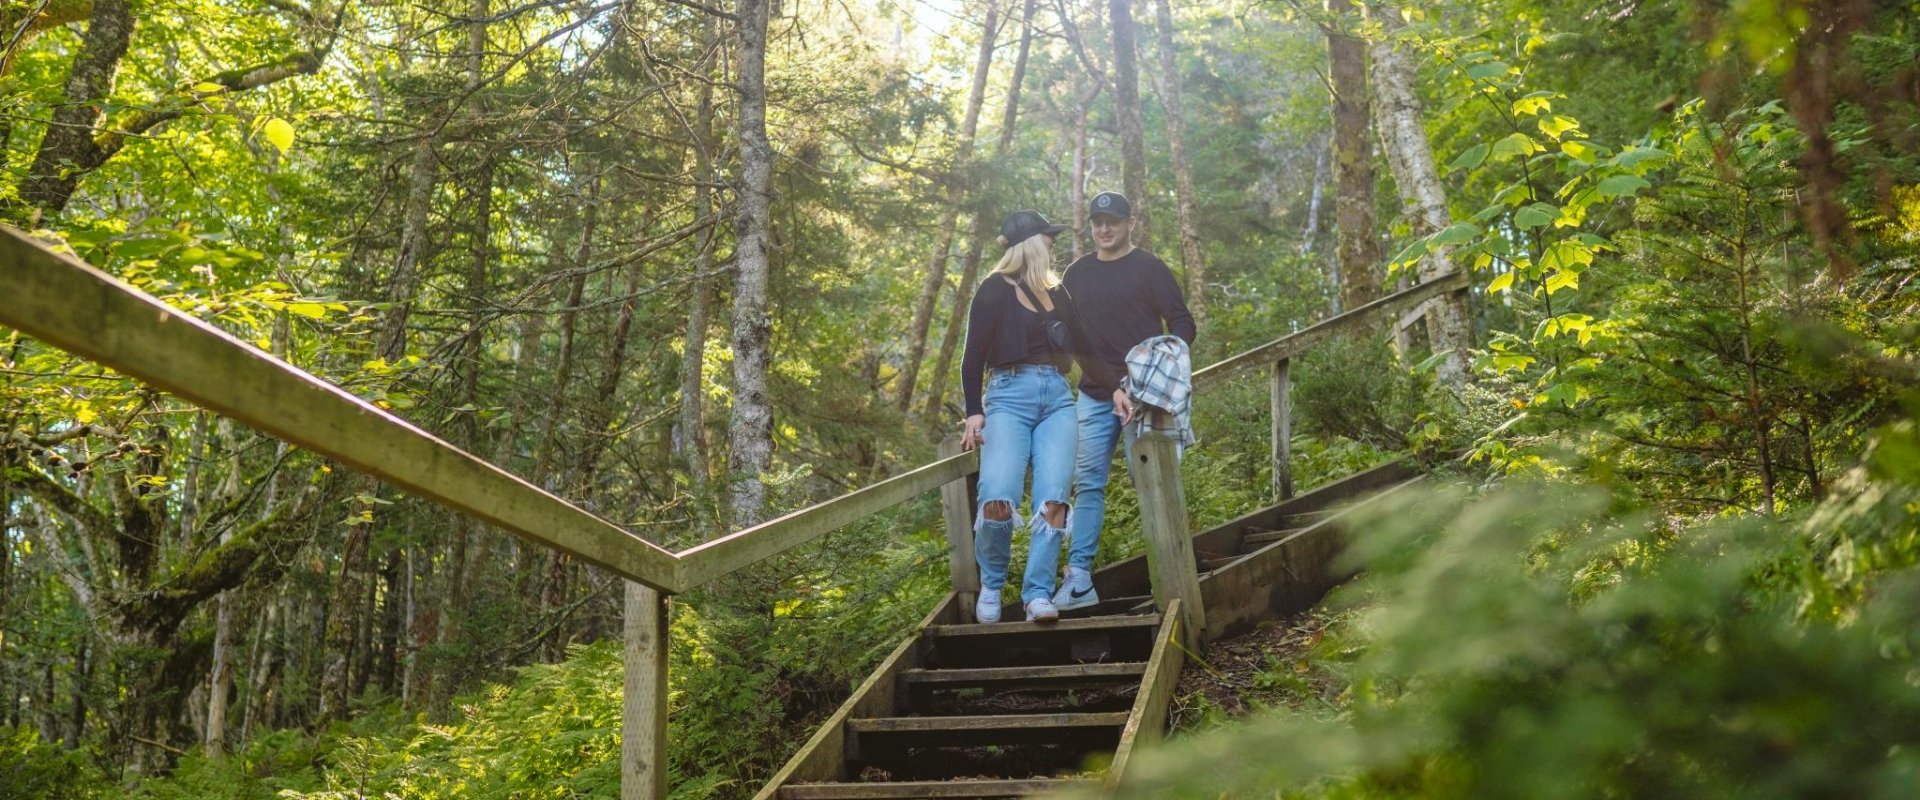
{"points": [[1126, 295]]}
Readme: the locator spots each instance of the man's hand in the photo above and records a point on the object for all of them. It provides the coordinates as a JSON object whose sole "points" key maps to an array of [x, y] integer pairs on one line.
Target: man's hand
{"points": [[973, 432], [1122, 406]]}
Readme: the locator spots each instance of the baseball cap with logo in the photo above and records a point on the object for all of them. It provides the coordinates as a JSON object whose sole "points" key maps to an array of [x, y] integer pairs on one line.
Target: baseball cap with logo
{"points": [[1112, 204]]}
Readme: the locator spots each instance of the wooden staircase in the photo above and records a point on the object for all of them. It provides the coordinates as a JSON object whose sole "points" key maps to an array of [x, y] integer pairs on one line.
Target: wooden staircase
{"points": [[1013, 709]]}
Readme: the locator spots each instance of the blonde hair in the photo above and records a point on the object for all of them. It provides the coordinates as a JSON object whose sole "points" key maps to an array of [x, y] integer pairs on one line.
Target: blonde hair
{"points": [[1030, 262]]}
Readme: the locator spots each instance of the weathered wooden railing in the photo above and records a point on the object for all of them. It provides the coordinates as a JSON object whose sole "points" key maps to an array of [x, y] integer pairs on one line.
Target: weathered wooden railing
{"points": [[77, 308]]}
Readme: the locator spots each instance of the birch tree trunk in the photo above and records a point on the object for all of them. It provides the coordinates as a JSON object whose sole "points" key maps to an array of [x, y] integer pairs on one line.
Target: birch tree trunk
{"points": [[1356, 250], [1410, 157], [1192, 259], [943, 243], [1133, 137], [751, 448], [1314, 195]]}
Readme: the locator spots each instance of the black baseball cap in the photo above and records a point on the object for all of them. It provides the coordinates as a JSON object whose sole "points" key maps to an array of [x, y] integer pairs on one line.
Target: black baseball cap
{"points": [[1112, 204], [1025, 224]]}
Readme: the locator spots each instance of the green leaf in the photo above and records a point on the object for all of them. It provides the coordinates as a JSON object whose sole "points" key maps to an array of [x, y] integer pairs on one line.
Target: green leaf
{"points": [[1536, 215], [1481, 72], [1410, 254], [1567, 255], [1622, 185], [1554, 125], [279, 133], [1580, 151], [1562, 280], [1633, 157], [1471, 158], [308, 310], [1516, 144], [1458, 233], [1529, 105], [204, 87], [1502, 282]]}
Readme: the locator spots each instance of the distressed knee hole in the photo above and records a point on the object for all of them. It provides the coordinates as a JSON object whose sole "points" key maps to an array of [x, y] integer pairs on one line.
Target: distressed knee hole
{"points": [[1056, 514], [997, 510]]}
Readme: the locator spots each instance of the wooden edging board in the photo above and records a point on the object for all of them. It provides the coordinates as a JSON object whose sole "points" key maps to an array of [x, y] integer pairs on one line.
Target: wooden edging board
{"points": [[1147, 720], [823, 757], [1283, 577]]}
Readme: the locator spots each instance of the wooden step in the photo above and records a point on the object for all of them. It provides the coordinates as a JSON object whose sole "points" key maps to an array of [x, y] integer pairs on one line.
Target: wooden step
{"points": [[1121, 637], [1061, 626], [1108, 606], [1264, 537], [1211, 564], [999, 676], [1087, 731], [911, 789]]}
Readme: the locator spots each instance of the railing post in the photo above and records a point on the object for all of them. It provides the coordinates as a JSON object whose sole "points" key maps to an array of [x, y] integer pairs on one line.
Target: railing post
{"points": [[1282, 385], [643, 745], [956, 503], [1163, 521]]}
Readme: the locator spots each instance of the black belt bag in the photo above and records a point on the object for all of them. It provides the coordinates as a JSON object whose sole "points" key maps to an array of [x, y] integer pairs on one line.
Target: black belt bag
{"points": [[1057, 335]]}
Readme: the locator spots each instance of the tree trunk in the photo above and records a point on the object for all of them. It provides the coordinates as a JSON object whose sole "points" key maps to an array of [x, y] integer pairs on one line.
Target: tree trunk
{"points": [[1314, 195], [1410, 157], [984, 223], [1191, 257], [68, 151], [689, 435], [943, 244], [750, 450], [421, 174], [1133, 137], [1357, 252]]}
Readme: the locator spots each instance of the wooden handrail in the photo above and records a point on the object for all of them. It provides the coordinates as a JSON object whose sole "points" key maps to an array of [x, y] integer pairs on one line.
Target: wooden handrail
{"points": [[718, 557], [80, 309], [68, 304], [1301, 341]]}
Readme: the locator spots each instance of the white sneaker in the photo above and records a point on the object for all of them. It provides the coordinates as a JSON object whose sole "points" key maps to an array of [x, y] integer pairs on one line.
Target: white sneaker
{"points": [[987, 608], [1076, 591], [1041, 609]]}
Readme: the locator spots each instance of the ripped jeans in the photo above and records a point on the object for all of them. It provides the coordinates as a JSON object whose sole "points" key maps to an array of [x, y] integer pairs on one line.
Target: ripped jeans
{"points": [[1030, 423]]}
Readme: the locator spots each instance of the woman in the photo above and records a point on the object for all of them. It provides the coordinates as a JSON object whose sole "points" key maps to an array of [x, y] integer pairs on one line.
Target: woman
{"points": [[1022, 327]]}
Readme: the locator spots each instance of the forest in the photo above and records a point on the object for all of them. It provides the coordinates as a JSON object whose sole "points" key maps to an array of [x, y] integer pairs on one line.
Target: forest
{"points": [[694, 264]]}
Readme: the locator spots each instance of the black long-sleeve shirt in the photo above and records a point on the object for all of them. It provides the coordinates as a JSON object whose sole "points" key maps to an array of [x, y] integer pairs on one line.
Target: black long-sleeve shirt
{"points": [[999, 336], [1124, 302]]}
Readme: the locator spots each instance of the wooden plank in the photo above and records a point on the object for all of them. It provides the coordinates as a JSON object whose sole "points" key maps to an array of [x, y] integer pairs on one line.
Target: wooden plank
{"points": [[957, 508], [1297, 343], [823, 757], [930, 789], [720, 556], [77, 308], [1163, 521], [989, 675], [1065, 625], [1282, 577], [1281, 409], [1147, 722], [988, 722]]}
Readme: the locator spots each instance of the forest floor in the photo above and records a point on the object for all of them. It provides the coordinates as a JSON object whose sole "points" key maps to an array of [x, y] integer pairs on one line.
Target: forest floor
{"points": [[1280, 664]]}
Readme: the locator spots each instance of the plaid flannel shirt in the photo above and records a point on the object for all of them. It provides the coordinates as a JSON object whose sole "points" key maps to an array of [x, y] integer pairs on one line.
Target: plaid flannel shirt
{"points": [[1160, 374]]}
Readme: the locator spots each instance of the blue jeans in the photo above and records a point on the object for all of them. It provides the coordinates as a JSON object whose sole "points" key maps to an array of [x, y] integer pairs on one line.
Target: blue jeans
{"points": [[1030, 422], [1099, 430]]}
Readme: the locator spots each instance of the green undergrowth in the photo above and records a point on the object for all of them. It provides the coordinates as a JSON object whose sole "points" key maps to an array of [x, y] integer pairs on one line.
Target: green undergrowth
{"points": [[1560, 639]]}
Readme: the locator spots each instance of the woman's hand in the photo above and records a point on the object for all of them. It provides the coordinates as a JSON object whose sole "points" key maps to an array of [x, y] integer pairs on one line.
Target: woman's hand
{"points": [[1122, 406], [973, 432]]}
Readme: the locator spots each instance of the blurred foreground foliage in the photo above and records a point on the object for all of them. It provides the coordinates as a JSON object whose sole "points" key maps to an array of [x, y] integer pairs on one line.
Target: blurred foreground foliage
{"points": [[1560, 639]]}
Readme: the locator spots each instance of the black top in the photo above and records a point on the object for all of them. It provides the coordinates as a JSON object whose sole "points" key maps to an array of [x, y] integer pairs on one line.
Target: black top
{"points": [[1126, 301], [1002, 333]]}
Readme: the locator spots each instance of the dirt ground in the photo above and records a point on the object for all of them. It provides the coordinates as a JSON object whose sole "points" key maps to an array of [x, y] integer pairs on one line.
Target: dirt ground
{"points": [[1274, 665]]}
